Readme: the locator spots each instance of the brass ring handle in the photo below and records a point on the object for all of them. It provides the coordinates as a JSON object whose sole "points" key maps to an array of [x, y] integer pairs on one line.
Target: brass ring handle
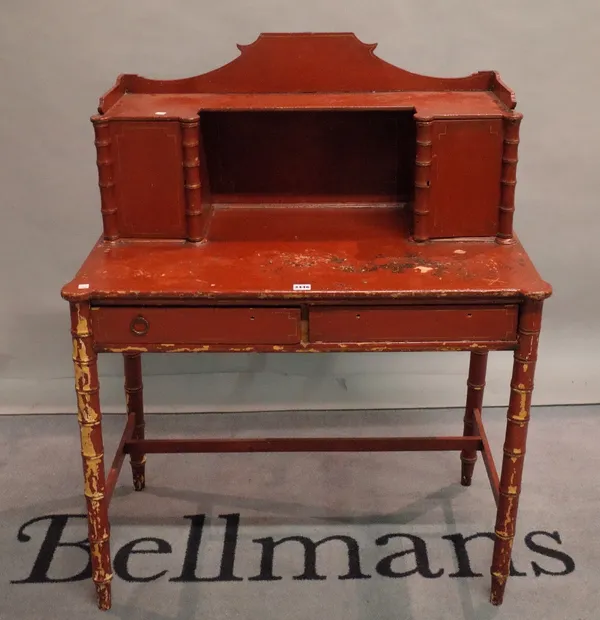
{"points": [[139, 326]]}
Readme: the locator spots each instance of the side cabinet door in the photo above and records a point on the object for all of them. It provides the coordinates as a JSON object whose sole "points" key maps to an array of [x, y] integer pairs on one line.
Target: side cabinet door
{"points": [[148, 177], [465, 177]]}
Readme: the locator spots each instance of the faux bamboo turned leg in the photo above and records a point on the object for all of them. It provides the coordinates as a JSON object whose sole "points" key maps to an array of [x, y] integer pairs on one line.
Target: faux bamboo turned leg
{"points": [[514, 444], [475, 385], [135, 404], [92, 450]]}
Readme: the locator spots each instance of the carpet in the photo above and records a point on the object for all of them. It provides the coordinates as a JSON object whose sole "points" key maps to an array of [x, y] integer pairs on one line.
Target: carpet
{"points": [[302, 536]]}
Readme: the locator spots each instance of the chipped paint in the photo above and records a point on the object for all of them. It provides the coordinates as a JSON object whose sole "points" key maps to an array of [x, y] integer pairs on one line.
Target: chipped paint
{"points": [[136, 349], [82, 327], [523, 412], [512, 490], [422, 269], [93, 488], [86, 412], [508, 516], [302, 347], [87, 444], [103, 595], [80, 352], [82, 377], [96, 553], [88, 415]]}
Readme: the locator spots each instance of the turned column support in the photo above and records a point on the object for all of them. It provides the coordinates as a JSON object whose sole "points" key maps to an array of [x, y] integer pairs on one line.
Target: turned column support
{"points": [[190, 135], [106, 182], [508, 179], [423, 156]]}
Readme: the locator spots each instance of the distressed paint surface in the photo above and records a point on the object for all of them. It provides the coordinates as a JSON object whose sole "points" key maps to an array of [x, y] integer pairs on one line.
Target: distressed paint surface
{"points": [[386, 193], [92, 450], [514, 444], [257, 254], [339, 347]]}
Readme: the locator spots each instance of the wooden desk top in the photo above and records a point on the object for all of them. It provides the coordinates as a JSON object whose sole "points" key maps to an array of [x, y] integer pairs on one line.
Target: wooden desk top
{"points": [[342, 252]]}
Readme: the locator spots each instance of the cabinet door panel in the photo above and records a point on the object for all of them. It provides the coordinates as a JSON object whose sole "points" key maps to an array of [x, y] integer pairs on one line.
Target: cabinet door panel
{"points": [[465, 178], [148, 174]]}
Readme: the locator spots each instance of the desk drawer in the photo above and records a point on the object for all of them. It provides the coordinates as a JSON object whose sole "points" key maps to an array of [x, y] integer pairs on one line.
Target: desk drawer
{"points": [[413, 324], [176, 325]]}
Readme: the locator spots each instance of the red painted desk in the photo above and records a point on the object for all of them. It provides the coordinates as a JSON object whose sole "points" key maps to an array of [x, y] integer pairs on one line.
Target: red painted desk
{"points": [[203, 257]]}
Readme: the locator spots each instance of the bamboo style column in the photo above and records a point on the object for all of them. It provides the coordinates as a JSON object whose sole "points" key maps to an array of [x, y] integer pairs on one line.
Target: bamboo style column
{"points": [[92, 450], [508, 180], [190, 134], [422, 179], [475, 387], [106, 182], [514, 445], [134, 397]]}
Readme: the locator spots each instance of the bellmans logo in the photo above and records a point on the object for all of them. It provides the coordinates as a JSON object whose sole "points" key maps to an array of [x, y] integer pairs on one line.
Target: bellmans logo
{"points": [[544, 555]]}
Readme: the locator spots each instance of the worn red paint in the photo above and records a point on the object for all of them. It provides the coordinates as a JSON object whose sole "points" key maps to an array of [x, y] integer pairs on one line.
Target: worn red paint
{"points": [[386, 195]]}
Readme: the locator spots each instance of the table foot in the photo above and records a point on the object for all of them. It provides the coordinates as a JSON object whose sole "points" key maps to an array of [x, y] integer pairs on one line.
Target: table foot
{"points": [[466, 472], [103, 594], [498, 587], [139, 476]]}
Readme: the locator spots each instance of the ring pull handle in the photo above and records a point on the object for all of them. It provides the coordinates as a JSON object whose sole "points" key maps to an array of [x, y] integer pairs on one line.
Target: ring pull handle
{"points": [[139, 326]]}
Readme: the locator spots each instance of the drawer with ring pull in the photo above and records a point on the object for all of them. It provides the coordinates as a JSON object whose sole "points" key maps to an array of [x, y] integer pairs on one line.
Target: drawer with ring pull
{"points": [[197, 325]]}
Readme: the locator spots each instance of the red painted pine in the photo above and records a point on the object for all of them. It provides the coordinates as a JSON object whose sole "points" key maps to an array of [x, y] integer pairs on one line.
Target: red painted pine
{"points": [[305, 197]]}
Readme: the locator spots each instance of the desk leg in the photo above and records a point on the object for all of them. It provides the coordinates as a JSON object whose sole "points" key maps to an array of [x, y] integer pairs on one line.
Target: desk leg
{"points": [[514, 444], [475, 385], [135, 404], [92, 450]]}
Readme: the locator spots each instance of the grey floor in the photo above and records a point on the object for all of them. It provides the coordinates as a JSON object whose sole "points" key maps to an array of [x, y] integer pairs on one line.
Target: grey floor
{"points": [[370, 498]]}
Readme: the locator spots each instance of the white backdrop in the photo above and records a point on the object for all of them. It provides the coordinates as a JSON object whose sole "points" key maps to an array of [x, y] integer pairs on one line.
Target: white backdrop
{"points": [[57, 57]]}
